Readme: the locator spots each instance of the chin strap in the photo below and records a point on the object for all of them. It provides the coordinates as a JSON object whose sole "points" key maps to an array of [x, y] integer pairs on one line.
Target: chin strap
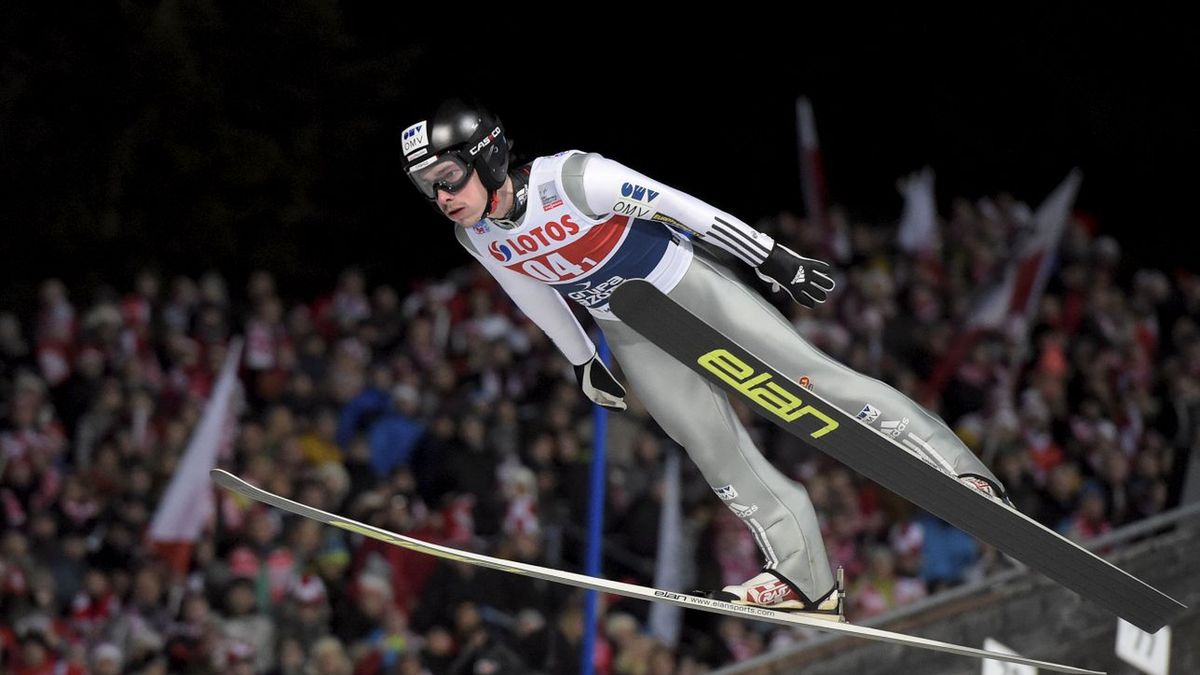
{"points": [[520, 188], [493, 200]]}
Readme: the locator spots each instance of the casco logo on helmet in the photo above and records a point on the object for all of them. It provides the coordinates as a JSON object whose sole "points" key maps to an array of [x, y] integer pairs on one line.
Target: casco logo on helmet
{"points": [[486, 141]]}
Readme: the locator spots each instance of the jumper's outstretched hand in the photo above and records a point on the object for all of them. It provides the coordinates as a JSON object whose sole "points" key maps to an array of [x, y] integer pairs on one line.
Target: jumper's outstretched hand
{"points": [[806, 280], [599, 385]]}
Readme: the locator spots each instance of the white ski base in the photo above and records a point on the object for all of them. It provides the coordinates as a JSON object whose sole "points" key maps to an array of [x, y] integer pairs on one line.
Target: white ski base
{"points": [[235, 484]]}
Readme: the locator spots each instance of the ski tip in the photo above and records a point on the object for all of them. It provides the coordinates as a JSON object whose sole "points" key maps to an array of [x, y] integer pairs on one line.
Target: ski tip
{"points": [[223, 478]]}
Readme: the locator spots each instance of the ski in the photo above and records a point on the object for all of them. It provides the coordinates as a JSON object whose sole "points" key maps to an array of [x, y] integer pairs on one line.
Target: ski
{"points": [[233, 483], [911, 472]]}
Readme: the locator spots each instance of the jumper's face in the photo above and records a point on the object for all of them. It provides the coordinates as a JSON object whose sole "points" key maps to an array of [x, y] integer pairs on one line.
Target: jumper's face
{"points": [[455, 187], [466, 206]]}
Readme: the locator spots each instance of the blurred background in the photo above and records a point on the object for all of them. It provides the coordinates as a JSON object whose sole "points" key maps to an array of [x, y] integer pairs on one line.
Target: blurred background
{"points": [[192, 184]]}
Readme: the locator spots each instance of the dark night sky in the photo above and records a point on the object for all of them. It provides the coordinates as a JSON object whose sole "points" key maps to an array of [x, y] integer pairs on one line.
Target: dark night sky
{"points": [[313, 93]]}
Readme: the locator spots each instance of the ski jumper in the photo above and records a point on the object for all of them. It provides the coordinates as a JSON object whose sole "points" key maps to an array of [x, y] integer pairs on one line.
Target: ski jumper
{"points": [[591, 223]]}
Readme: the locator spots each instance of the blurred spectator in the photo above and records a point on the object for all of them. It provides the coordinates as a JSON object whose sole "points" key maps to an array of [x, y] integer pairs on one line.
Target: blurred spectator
{"points": [[479, 649], [394, 435], [1090, 521], [250, 634], [880, 588], [304, 616], [39, 652], [107, 659], [948, 554], [329, 658]]}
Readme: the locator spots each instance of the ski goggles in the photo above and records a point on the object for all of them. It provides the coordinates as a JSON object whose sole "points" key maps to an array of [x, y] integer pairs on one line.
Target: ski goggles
{"points": [[447, 172]]}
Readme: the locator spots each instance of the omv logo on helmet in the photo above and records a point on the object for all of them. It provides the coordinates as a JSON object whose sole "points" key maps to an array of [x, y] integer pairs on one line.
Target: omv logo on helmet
{"points": [[487, 140], [500, 251], [415, 137]]}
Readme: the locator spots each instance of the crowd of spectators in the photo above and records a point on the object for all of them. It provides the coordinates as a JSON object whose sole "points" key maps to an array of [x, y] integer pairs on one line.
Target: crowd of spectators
{"points": [[439, 411]]}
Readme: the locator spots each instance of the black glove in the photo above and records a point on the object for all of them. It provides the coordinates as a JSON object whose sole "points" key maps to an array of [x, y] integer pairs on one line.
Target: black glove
{"points": [[805, 279], [599, 385]]}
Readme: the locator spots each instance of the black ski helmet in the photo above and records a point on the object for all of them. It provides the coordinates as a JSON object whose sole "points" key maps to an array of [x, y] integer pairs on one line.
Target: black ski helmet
{"points": [[440, 152]]}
